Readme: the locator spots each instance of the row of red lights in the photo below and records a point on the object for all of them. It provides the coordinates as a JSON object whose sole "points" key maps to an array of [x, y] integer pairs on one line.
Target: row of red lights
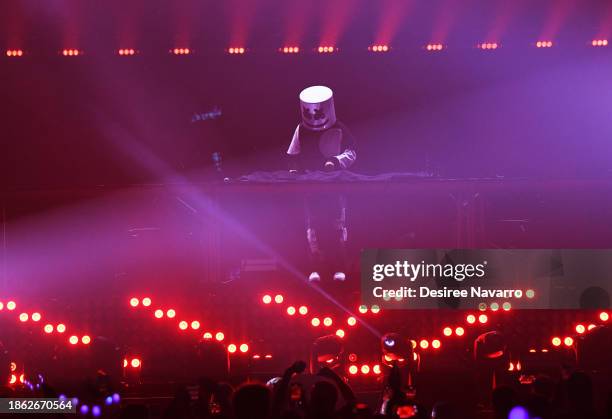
{"points": [[48, 328], [433, 47], [185, 325], [315, 321], [365, 369]]}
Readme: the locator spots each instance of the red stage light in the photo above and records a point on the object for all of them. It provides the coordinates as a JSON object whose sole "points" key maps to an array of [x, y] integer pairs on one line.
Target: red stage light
{"points": [[599, 43], [326, 49], [303, 310], [483, 318], [435, 344], [61, 328], [365, 369], [170, 313], [134, 302], [207, 336], [135, 363], [353, 369], [181, 51], [604, 316], [48, 328], [488, 45], [290, 50], [460, 331], [376, 369], [36, 317], [568, 341], [244, 348], [506, 306], [351, 321], [379, 48], [327, 321], [231, 348], [291, 310], [544, 44], [1, 306], [73, 340], [159, 314], [471, 319], [14, 53], [580, 329], [183, 325], [447, 331], [126, 51], [195, 325], [11, 305], [591, 327], [146, 301], [434, 47], [424, 344], [315, 321], [86, 340], [70, 52], [340, 333], [23, 317], [363, 309], [266, 299], [556, 341], [13, 379], [219, 336], [236, 50], [278, 298], [375, 309]]}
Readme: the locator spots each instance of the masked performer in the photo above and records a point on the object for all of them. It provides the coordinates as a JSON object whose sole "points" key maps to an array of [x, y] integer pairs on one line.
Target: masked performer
{"points": [[322, 143]]}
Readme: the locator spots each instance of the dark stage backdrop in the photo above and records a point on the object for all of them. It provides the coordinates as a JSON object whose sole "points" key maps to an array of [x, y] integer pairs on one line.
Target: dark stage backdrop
{"points": [[104, 119]]}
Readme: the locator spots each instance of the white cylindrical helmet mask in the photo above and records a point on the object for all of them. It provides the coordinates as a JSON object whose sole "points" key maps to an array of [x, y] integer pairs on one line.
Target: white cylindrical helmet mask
{"points": [[317, 108]]}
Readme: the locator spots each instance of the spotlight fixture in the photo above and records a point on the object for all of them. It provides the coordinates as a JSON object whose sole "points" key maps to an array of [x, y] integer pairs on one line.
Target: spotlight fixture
{"points": [[71, 52], [327, 351], [180, 51], [290, 50], [434, 47], [379, 48], [599, 43], [326, 49], [395, 349], [544, 44], [236, 50], [14, 53]]}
